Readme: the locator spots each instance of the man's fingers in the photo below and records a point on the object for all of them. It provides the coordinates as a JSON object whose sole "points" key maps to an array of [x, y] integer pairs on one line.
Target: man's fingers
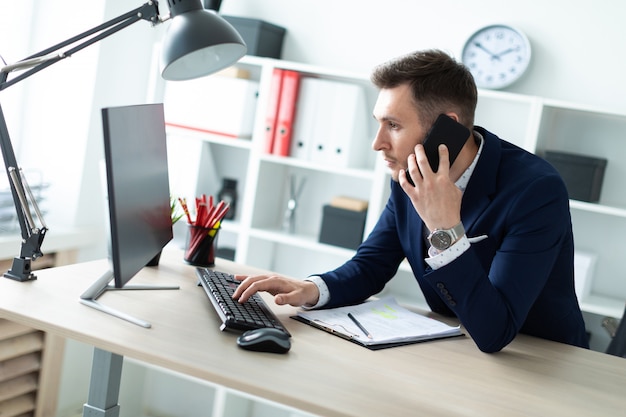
{"points": [[444, 157], [246, 283]]}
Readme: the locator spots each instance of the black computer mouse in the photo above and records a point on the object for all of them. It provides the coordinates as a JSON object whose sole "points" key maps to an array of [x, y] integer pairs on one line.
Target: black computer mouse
{"points": [[265, 340]]}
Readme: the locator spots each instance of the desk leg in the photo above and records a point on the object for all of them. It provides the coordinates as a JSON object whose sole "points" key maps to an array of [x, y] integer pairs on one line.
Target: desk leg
{"points": [[104, 387]]}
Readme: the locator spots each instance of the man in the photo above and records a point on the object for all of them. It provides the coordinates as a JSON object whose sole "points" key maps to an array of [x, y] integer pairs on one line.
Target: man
{"points": [[507, 266]]}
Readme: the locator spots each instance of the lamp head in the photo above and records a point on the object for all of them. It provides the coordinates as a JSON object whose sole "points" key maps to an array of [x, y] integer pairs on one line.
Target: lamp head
{"points": [[198, 42]]}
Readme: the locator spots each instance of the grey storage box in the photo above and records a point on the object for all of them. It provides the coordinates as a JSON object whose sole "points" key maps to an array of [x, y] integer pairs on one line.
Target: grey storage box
{"points": [[583, 175], [261, 38], [341, 227]]}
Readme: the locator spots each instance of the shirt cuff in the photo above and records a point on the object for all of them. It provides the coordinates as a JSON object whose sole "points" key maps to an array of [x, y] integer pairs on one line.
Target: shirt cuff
{"points": [[438, 259], [323, 289]]}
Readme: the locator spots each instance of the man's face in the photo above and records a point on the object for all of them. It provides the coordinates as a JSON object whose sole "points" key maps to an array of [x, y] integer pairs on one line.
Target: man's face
{"points": [[399, 127]]}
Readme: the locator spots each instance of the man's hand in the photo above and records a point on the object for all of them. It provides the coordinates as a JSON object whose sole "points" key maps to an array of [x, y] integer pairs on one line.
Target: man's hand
{"points": [[435, 196], [285, 290]]}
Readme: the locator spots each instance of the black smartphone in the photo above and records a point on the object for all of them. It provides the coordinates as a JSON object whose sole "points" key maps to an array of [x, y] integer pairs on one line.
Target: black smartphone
{"points": [[447, 131]]}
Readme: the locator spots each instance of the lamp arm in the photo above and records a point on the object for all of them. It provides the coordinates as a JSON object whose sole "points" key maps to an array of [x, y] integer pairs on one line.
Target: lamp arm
{"points": [[32, 235], [43, 59]]}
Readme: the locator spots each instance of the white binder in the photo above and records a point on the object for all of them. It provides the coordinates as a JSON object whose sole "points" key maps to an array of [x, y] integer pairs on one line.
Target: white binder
{"points": [[331, 124], [306, 118]]}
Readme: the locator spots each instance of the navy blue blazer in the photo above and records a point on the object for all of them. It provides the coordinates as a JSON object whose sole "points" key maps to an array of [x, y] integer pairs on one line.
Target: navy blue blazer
{"points": [[519, 279]]}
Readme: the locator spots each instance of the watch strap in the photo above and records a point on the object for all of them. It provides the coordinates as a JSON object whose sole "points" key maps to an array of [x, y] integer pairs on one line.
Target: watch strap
{"points": [[457, 231]]}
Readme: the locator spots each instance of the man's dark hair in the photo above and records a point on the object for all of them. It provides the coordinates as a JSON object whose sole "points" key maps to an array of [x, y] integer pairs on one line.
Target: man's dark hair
{"points": [[438, 82]]}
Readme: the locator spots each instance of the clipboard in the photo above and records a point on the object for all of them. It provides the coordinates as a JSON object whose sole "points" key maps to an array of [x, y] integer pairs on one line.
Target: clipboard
{"points": [[390, 324], [352, 339]]}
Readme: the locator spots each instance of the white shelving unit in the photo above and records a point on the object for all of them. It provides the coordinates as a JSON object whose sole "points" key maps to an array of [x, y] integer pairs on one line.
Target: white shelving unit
{"points": [[199, 161], [256, 232], [597, 226], [534, 123]]}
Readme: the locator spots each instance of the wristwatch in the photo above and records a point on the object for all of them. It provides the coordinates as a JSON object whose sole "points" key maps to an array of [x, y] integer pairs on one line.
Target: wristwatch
{"points": [[442, 239]]}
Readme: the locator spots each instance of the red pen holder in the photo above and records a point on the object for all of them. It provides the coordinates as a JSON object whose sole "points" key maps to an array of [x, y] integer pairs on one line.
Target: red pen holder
{"points": [[201, 246]]}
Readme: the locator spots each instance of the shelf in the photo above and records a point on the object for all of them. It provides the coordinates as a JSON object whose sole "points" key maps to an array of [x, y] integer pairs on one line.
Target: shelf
{"points": [[603, 306], [300, 241], [317, 71], [568, 106], [598, 208], [312, 166]]}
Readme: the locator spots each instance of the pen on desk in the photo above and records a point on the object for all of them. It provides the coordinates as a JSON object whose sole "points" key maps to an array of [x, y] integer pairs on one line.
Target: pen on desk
{"points": [[360, 326]]}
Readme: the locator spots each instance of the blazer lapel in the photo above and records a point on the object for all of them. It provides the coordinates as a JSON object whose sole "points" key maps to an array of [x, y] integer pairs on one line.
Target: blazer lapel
{"points": [[482, 184]]}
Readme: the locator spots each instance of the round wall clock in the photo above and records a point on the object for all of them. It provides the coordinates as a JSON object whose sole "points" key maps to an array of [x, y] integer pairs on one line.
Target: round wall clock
{"points": [[497, 56]]}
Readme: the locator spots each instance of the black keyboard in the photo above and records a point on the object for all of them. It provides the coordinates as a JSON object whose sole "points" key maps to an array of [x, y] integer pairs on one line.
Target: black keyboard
{"points": [[235, 316]]}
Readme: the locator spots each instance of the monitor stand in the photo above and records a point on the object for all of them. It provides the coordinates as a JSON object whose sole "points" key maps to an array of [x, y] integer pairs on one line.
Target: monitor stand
{"points": [[102, 285]]}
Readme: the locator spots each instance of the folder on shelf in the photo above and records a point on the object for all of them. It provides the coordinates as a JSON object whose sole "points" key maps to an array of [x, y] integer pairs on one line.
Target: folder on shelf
{"points": [[306, 118], [331, 124], [352, 143], [272, 109], [386, 323], [347, 143], [323, 96], [286, 112]]}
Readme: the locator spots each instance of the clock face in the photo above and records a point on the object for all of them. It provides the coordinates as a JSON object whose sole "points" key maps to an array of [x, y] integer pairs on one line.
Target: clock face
{"points": [[497, 56]]}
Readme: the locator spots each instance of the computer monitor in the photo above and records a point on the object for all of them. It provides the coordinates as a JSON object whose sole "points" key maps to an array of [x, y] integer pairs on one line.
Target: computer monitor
{"points": [[137, 191]]}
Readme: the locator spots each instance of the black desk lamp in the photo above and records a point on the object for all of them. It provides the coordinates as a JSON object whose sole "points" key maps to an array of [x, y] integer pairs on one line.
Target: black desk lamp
{"points": [[198, 42]]}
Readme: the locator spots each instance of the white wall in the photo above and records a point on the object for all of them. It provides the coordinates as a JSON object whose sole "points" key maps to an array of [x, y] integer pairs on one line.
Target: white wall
{"points": [[11, 49], [53, 123], [577, 44]]}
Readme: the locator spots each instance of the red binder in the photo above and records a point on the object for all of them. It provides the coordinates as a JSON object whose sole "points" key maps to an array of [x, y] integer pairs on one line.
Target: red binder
{"points": [[286, 112], [272, 110]]}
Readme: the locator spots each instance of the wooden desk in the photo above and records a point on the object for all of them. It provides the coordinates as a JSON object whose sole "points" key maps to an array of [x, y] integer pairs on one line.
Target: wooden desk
{"points": [[322, 374]]}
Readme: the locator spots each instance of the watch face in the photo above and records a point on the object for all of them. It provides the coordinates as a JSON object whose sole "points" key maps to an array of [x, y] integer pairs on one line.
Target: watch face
{"points": [[497, 56], [440, 240]]}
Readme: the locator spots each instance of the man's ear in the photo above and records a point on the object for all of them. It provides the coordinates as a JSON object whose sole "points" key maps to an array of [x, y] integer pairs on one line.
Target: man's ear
{"points": [[453, 115]]}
